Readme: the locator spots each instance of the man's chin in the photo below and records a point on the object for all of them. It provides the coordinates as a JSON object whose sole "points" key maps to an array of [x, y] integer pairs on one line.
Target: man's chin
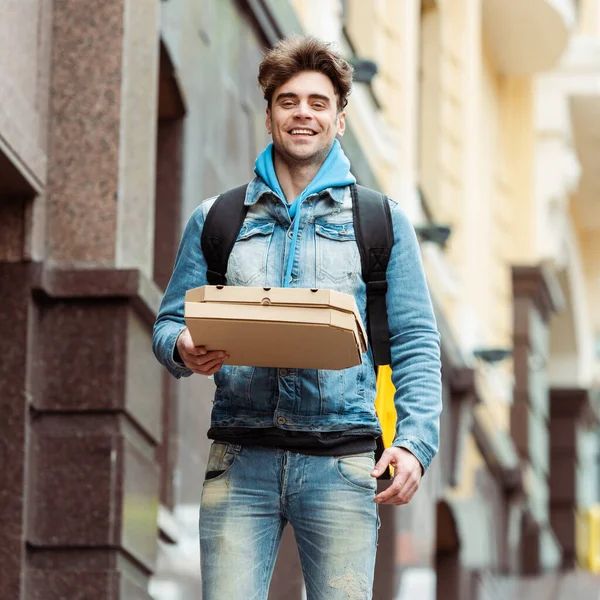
{"points": [[305, 154]]}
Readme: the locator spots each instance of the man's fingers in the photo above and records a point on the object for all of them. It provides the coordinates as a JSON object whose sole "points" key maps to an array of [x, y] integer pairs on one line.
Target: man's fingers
{"points": [[211, 364], [203, 360], [215, 369], [403, 482], [407, 476], [400, 493], [382, 464], [196, 350], [404, 497], [207, 372], [205, 368], [197, 358], [185, 343], [210, 357], [186, 346], [391, 491]]}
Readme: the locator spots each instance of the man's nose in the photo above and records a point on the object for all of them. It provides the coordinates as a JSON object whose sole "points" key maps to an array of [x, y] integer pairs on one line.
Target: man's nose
{"points": [[303, 111]]}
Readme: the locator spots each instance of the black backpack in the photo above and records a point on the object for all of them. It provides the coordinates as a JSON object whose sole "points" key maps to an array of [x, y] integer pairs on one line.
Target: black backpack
{"points": [[374, 237]]}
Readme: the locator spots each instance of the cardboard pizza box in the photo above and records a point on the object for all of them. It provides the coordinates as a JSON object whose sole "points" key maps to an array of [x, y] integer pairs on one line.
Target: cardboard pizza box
{"points": [[294, 328]]}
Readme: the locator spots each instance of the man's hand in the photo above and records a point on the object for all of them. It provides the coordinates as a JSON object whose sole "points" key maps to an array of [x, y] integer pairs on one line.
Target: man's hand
{"points": [[198, 359], [407, 476]]}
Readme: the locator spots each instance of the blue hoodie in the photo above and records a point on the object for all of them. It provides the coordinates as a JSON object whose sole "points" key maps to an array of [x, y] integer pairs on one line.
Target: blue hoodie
{"points": [[334, 172]]}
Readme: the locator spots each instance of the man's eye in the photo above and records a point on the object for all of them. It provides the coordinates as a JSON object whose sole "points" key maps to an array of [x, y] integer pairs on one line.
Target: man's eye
{"points": [[319, 105], [287, 104]]}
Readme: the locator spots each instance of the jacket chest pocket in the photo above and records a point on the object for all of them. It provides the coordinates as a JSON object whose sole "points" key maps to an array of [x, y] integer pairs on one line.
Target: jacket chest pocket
{"points": [[248, 259], [338, 258]]}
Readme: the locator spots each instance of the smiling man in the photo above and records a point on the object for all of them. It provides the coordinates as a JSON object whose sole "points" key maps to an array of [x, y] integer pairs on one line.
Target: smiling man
{"points": [[314, 468]]}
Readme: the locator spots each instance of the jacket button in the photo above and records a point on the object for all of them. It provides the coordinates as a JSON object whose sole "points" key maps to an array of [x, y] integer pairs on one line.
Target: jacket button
{"points": [[283, 372], [281, 420], [290, 234]]}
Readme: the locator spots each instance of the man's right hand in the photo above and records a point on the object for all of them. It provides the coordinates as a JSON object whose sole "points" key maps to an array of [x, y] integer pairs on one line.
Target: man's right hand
{"points": [[198, 359]]}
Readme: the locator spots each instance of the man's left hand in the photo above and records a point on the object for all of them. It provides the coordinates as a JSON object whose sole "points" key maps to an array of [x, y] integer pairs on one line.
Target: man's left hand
{"points": [[407, 476]]}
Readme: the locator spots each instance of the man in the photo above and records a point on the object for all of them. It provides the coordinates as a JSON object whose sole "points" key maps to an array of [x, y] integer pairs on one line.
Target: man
{"points": [[314, 466]]}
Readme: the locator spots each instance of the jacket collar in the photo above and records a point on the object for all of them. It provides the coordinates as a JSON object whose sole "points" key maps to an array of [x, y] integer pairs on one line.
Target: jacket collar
{"points": [[257, 188]]}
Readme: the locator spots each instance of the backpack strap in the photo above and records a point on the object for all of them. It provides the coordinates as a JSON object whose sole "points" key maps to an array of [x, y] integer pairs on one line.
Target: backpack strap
{"points": [[221, 229], [375, 238]]}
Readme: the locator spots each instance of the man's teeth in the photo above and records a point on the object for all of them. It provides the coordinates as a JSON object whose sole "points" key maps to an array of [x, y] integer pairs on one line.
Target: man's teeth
{"points": [[302, 132]]}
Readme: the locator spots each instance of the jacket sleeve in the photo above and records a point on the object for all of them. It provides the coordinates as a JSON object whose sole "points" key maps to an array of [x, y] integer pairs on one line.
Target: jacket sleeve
{"points": [[415, 345], [189, 272]]}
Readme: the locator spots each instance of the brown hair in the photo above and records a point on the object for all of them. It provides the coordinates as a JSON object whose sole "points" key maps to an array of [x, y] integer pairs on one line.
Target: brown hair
{"points": [[292, 55]]}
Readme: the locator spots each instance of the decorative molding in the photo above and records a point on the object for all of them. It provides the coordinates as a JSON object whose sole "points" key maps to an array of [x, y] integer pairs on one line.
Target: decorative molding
{"points": [[520, 50], [68, 283], [539, 283], [578, 403]]}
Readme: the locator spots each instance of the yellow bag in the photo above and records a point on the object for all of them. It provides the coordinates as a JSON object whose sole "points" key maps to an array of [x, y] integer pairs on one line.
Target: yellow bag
{"points": [[384, 404]]}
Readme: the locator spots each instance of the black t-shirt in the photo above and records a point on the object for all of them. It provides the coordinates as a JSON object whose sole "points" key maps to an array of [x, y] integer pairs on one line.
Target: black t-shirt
{"points": [[330, 443]]}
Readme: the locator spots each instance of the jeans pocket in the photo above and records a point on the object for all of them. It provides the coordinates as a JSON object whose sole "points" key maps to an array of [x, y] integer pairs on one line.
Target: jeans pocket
{"points": [[221, 457], [355, 470]]}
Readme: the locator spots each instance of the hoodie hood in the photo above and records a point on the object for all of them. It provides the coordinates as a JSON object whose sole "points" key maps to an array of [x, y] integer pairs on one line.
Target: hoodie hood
{"points": [[334, 172]]}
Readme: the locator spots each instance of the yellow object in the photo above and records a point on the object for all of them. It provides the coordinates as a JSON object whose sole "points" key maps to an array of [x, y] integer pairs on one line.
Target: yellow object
{"points": [[588, 538], [384, 404]]}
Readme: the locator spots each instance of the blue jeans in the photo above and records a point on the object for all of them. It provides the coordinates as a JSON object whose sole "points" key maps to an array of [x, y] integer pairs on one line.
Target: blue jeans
{"points": [[249, 496]]}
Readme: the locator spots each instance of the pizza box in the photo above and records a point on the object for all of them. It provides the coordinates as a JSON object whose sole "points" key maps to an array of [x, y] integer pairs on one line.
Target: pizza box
{"points": [[293, 328]]}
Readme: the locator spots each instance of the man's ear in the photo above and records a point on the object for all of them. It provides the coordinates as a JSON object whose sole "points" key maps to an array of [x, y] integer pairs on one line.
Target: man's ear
{"points": [[268, 121], [341, 123]]}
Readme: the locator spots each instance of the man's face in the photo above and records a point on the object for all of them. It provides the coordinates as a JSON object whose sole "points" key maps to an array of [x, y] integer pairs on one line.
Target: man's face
{"points": [[304, 118]]}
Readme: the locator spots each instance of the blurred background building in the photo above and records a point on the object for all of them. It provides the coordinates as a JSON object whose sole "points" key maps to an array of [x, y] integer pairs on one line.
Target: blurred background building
{"points": [[480, 117]]}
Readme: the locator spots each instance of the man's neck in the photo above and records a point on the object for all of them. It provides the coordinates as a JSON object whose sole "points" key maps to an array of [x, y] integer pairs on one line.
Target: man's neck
{"points": [[293, 179]]}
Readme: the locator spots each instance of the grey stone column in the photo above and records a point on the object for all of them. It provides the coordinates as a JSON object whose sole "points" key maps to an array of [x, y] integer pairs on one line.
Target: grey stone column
{"points": [[94, 390], [14, 322], [95, 403]]}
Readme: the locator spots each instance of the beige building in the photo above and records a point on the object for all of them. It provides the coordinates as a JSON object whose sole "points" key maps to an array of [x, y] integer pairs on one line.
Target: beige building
{"points": [[490, 108]]}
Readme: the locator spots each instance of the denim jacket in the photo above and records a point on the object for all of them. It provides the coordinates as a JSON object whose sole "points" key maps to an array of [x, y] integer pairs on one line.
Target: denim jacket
{"points": [[326, 256]]}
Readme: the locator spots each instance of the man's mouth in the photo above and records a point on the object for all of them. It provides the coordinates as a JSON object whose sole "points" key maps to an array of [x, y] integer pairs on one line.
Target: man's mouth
{"points": [[299, 131]]}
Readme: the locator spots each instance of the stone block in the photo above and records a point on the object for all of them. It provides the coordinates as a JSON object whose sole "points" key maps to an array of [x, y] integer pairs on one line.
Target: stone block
{"points": [[80, 355], [75, 478], [14, 287]]}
